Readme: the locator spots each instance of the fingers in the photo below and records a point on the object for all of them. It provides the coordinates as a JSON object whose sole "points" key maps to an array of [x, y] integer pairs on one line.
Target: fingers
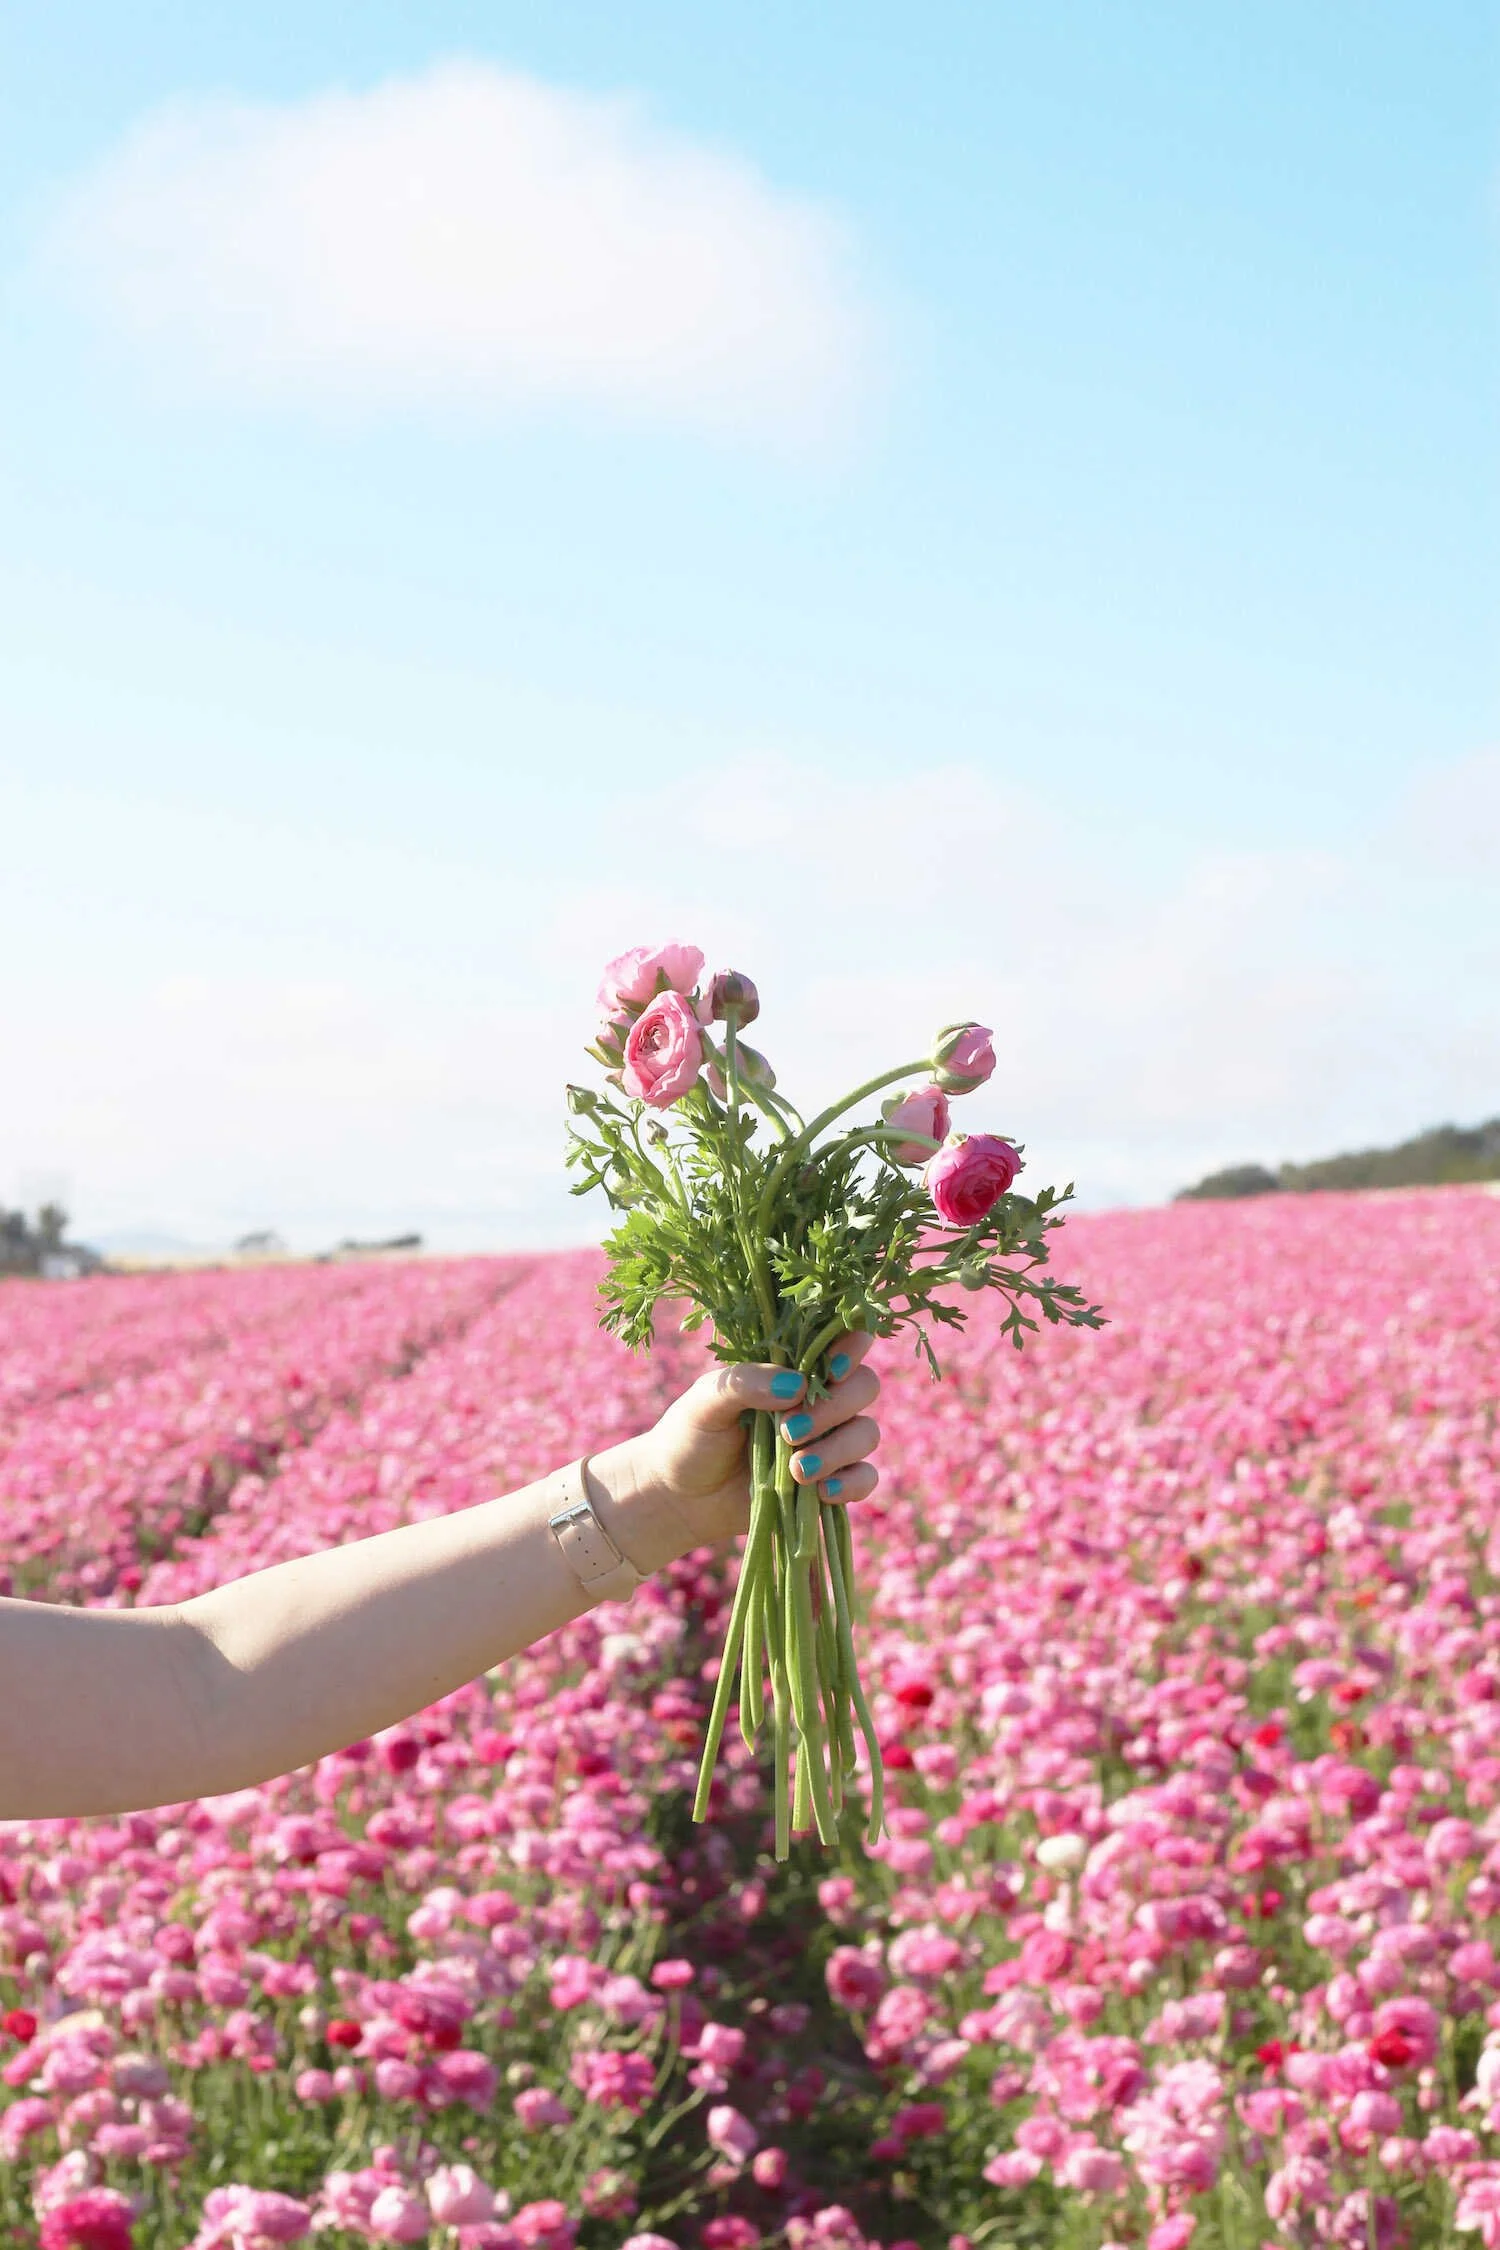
{"points": [[850, 1485], [809, 1423], [845, 1353], [717, 1399], [839, 1450]]}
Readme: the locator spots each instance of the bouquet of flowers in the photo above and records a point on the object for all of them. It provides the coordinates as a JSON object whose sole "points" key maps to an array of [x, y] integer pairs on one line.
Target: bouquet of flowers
{"points": [[783, 1233]]}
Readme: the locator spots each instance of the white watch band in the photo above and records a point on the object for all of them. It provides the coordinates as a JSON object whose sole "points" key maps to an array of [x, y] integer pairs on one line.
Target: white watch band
{"points": [[586, 1547]]}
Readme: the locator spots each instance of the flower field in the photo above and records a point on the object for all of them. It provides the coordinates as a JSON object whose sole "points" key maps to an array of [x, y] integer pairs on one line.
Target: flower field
{"points": [[1183, 1641]]}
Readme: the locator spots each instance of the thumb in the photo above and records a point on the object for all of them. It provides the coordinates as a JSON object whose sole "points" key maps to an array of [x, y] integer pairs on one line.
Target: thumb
{"points": [[718, 1399]]}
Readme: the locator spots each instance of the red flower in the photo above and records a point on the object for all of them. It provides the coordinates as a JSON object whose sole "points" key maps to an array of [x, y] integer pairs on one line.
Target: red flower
{"points": [[1393, 2048], [20, 2023], [342, 2033]]}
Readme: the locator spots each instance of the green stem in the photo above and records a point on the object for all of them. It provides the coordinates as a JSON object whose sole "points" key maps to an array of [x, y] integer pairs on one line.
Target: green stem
{"points": [[802, 1650], [809, 1133], [750, 1568], [780, 1702], [840, 1564], [752, 1663]]}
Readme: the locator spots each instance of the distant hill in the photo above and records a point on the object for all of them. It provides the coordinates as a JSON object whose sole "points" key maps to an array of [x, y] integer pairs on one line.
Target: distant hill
{"points": [[1440, 1157]]}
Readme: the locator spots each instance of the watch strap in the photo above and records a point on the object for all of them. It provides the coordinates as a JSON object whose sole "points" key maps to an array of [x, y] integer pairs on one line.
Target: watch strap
{"points": [[584, 1544]]}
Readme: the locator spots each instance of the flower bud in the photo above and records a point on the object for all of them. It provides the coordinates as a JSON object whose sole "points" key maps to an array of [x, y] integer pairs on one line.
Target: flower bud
{"points": [[582, 1100], [609, 1041], [753, 1067], [962, 1057], [974, 1276], [925, 1114], [727, 989]]}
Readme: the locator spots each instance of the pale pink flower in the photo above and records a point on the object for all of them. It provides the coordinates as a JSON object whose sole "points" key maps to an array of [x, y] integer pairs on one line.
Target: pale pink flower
{"points": [[663, 1052], [634, 978], [1478, 2209], [1015, 2168], [457, 2197], [399, 2215], [237, 2217], [731, 2133], [1092, 2169]]}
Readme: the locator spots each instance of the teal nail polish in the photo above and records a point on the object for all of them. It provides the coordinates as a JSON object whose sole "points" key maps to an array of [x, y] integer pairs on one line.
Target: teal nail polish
{"points": [[809, 1463], [787, 1383], [798, 1426], [838, 1366], [834, 1487]]}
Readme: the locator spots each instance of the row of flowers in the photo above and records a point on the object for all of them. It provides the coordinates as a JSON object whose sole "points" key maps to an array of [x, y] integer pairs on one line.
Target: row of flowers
{"points": [[1185, 1650], [97, 1477]]}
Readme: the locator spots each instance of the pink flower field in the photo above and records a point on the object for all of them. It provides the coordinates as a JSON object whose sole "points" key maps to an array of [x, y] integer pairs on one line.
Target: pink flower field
{"points": [[1184, 1647]]}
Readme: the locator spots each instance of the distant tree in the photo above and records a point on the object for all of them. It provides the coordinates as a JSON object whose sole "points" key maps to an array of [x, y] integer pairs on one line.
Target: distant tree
{"points": [[1445, 1155], [1442, 1156], [26, 1246], [1237, 1180]]}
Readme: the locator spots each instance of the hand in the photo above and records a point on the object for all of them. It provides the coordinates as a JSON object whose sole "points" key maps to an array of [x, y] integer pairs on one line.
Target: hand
{"points": [[690, 1473]]}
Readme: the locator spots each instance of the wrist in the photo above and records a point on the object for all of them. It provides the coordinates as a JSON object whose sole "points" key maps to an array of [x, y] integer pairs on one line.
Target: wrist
{"points": [[633, 1505]]}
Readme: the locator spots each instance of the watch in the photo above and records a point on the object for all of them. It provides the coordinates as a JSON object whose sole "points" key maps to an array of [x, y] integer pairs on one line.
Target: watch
{"points": [[584, 1544]]}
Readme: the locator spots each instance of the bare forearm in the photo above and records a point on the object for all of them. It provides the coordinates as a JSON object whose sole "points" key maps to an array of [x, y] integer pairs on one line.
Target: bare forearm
{"points": [[278, 1668]]}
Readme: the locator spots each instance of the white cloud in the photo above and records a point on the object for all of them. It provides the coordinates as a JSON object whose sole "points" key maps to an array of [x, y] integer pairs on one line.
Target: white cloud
{"points": [[378, 1037], [468, 238]]}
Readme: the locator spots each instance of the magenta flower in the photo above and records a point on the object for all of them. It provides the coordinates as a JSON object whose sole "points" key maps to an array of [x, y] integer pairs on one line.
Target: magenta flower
{"points": [[968, 1176], [98, 2219]]}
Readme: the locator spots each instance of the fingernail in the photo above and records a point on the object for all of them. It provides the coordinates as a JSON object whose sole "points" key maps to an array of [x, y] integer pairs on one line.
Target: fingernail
{"points": [[786, 1383], [809, 1463], [839, 1365], [834, 1487], [798, 1426]]}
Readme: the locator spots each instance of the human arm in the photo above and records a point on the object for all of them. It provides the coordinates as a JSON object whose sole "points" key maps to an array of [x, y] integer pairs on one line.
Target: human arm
{"points": [[111, 1710]]}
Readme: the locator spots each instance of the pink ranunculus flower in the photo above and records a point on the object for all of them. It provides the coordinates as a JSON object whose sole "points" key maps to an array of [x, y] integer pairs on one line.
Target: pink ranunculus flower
{"points": [[1479, 2209], [664, 1052], [853, 1980], [98, 2219], [634, 978], [963, 1057], [457, 2197], [537, 2107], [236, 2215], [731, 2132], [1014, 2168], [925, 1112], [968, 1176], [397, 2215]]}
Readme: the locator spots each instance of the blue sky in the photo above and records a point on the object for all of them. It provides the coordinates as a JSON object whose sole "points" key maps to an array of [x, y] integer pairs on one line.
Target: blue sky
{"points": [[1020, 541]]}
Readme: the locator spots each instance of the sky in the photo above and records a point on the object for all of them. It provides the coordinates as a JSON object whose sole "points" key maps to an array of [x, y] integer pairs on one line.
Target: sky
{"points": [[976, 512]]}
